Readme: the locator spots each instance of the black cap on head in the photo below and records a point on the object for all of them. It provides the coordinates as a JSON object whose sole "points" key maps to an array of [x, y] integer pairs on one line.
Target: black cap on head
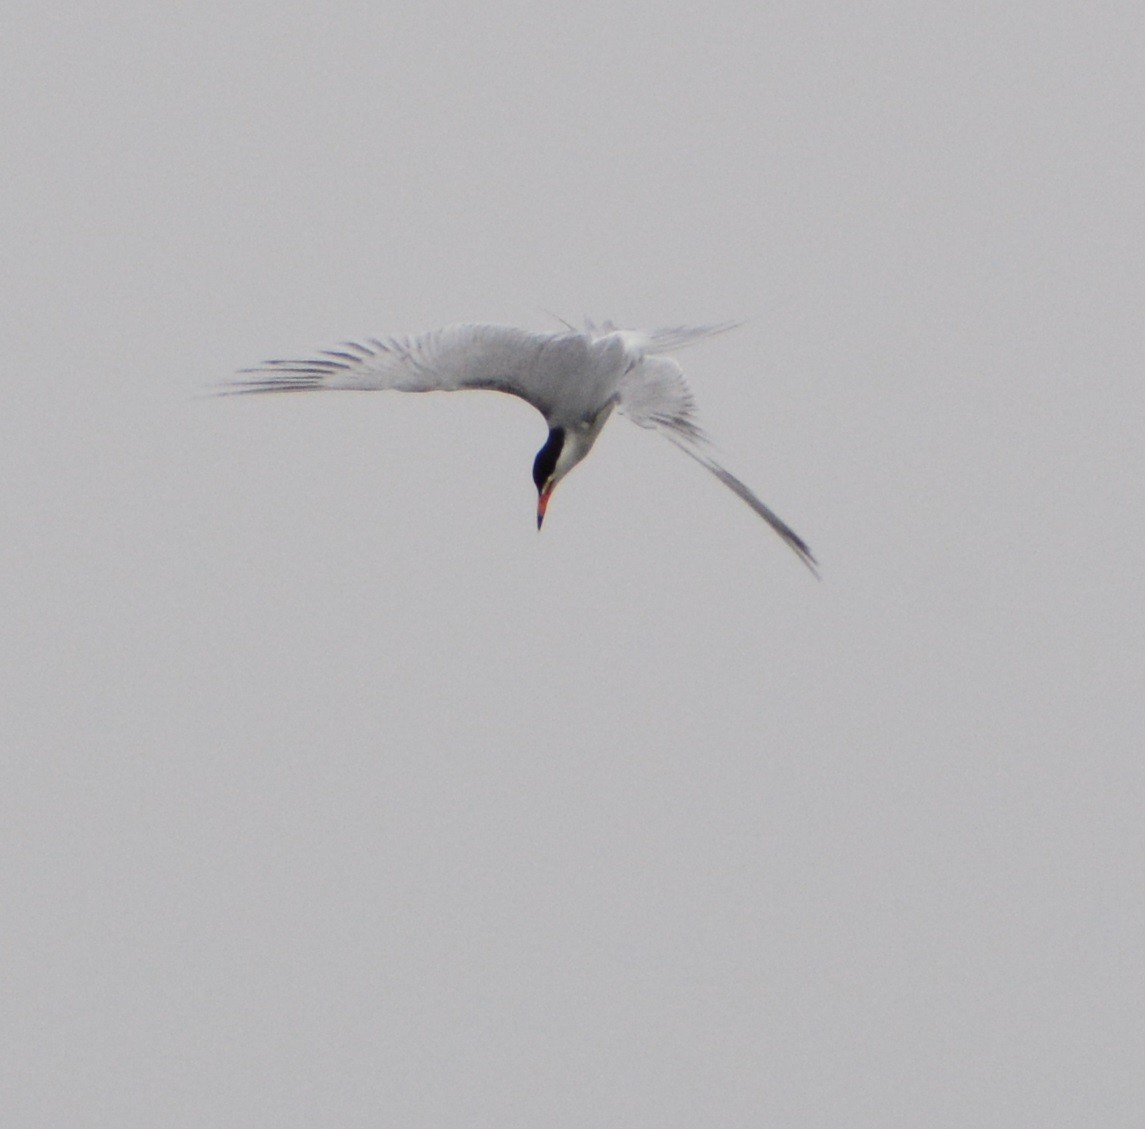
{"points": [[546, 461]]}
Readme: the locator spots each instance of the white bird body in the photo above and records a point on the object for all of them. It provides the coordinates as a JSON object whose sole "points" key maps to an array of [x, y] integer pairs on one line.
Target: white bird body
{"points": [[574, 379]]}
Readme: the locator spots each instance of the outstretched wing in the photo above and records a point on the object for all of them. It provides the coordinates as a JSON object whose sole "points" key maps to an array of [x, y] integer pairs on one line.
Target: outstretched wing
{"points": [[494, 357], [661, 340], [654, 394], [679, 336]]}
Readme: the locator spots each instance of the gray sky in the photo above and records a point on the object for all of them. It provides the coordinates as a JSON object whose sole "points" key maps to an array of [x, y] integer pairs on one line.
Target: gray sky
{"points": [[334, 795]]}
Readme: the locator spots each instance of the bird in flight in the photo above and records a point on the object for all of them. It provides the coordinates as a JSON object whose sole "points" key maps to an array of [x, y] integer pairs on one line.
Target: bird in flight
{"points": [[574, 379]]}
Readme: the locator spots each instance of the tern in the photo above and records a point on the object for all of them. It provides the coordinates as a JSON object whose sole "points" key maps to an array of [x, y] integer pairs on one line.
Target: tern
{"points": [[574, 379]]}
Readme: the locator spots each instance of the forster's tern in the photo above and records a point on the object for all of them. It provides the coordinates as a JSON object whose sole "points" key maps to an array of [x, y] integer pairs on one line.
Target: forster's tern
{"points": [[574, 379]]}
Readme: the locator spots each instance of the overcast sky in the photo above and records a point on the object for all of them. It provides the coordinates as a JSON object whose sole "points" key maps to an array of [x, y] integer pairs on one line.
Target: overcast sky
{"points": [[333, 795]]}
